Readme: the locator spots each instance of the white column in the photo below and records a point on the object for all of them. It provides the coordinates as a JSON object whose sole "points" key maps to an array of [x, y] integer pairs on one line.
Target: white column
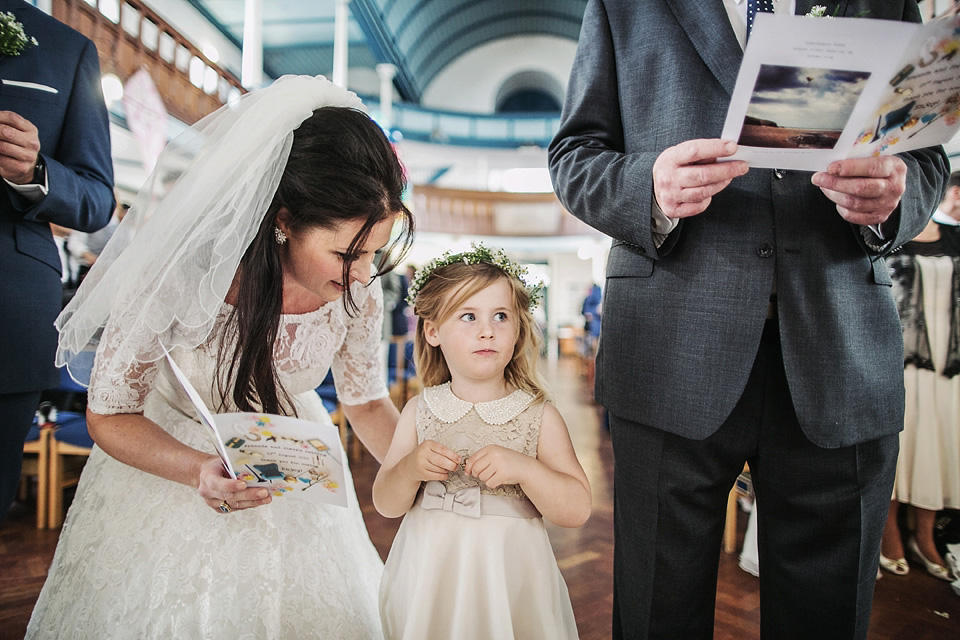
{"points": [[341, 41], [251, 73], [386, 71], [553, 312]]}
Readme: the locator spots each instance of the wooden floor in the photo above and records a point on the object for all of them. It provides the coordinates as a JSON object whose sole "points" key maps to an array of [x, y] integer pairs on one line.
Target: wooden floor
{"points": [[913, 607]]}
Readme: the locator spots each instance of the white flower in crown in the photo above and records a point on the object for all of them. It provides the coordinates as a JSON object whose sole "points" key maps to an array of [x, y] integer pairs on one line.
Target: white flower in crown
{"points": [[476, 255], [13, 39]]}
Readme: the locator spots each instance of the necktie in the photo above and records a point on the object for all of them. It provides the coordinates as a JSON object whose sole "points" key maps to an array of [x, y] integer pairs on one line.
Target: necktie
{"points": [[754, 6]]}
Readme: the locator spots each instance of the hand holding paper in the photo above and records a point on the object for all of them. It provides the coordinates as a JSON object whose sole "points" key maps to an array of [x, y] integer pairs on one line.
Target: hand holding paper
{"points": [[687, 176], [267, 456], [215, 488], [812, 91], [866, 190]]}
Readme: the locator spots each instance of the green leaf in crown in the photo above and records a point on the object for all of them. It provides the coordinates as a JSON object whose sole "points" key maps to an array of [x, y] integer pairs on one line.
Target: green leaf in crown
{"points": [[476, 255]]}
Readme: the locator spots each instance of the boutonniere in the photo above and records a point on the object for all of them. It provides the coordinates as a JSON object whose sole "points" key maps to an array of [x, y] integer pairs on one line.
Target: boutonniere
{"points": [[820, 11], [13, 40]]}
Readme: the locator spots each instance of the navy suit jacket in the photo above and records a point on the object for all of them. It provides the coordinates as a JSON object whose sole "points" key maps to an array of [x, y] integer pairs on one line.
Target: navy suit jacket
{"points": [[682, 322], [71, 118]]}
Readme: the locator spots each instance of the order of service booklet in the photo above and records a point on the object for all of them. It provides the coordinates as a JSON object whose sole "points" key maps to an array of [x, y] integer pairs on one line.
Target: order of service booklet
{"points": [[814, 90], [288, 456]]}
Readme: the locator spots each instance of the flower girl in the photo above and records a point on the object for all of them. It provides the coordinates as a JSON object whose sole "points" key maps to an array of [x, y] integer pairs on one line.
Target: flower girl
{"points": [[476, 460]]}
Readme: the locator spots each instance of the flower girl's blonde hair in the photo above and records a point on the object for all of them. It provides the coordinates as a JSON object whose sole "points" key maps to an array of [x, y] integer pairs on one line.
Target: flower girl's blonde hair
{"points": [[446, 288]]}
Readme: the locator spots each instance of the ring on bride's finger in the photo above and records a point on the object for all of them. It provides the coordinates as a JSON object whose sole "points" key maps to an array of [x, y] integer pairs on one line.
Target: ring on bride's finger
{"points": [[224, 507]]}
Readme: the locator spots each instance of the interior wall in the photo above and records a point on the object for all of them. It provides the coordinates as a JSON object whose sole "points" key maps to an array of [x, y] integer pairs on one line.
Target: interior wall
{"points": [[472, 81]]}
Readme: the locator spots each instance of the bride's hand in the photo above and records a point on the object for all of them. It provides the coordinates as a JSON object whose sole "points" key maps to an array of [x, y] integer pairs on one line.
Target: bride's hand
{"points": [[226, 494]]}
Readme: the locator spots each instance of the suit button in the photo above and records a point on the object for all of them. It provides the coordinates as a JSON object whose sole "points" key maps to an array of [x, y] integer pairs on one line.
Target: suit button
{"points": [[765, 250], [779, 173]]}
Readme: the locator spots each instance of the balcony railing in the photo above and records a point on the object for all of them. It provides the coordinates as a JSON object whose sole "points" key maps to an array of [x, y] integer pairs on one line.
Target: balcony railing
{"points": [[130, 36], [494, 213], [468, 129]]}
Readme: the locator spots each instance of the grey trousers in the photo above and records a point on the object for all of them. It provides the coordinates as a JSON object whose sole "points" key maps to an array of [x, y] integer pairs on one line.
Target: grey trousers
{"points": [[821, 516]]}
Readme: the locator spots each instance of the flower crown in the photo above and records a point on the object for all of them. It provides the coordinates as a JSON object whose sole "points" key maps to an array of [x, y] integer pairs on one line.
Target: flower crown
{"points": [[476, 255]]}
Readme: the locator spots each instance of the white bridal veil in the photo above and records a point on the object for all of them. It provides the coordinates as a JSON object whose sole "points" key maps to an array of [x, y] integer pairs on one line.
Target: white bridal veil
{"points": [[163, 276]]}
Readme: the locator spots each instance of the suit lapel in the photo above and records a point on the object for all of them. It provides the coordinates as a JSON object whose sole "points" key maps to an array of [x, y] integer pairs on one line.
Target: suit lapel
{"points": [[708, 28]]}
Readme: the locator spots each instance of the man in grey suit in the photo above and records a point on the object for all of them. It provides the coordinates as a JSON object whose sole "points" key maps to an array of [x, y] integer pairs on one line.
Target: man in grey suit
{"points": [[747, 317]]}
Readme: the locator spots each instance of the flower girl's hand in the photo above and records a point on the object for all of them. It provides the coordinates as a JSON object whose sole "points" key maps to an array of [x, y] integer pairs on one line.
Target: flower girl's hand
{"points": [[432, 461], [225, 494], [496, 465]]}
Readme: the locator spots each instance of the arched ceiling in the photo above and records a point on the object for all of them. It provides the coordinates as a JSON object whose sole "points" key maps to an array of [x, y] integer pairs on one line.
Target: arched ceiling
{"points": [[420, 37]]}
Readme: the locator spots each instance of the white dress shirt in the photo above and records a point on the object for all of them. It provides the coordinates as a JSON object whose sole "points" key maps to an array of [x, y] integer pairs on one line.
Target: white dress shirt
{"points": [[942, 218], [32, 191], [737, 14]]}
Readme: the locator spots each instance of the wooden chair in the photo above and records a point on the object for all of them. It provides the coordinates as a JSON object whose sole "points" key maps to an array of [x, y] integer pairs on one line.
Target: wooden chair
{"points": [[730, 525], [401, 373], [340, 421], [37, 443], [70, 444], [356, 448], [328, 395]]}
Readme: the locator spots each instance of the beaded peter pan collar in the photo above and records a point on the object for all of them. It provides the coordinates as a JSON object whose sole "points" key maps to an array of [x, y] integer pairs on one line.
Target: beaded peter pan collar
{"points": [[449, 408]]}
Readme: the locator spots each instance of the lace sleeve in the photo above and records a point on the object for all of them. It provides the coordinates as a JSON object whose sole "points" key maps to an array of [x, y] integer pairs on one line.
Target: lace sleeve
{"points": [[357, 369], [121, 384], [125, 389]]}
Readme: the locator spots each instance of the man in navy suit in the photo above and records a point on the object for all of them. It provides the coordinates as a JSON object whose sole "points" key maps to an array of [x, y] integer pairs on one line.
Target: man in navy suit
{"points": [[747, 317], [56, 167]]}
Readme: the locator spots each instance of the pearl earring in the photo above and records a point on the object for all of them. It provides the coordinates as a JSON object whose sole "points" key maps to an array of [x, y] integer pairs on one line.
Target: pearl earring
{"points": [[279, 235]]}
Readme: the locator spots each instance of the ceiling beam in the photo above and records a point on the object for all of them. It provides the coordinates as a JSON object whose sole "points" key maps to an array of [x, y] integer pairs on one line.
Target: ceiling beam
{"points": [[384, 47]]}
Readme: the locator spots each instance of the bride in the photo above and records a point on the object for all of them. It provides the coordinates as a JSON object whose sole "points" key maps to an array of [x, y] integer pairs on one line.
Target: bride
{"points": [[254, 272]]}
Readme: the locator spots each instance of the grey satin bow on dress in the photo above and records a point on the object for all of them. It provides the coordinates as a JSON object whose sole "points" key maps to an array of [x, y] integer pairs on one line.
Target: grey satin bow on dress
{"points": [[465, 502], [472, 503]]}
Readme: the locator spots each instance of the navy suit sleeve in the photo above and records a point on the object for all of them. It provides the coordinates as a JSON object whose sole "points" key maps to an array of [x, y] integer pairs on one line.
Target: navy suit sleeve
{"points": [[80, 169], [593, 175]]}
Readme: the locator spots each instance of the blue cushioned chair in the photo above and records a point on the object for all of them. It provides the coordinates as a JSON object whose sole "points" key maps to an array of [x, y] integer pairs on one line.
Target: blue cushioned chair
{"points": [[328, 394], [69, 395]]}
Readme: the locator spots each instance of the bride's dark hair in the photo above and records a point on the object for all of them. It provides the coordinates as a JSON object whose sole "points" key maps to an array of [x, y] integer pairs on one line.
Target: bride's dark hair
{"points": [[341, 168]]}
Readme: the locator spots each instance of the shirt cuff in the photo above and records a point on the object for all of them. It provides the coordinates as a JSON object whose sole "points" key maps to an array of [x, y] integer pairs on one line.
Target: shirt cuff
{"points": [[34, 193], [660, 224]]}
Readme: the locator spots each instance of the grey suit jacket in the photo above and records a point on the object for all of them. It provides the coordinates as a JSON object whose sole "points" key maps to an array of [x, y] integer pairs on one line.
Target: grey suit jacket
{"points": [[682, 323]]}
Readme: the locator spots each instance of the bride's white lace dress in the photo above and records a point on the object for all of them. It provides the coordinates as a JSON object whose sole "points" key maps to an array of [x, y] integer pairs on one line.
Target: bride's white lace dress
{"points": [[144, 557]]}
